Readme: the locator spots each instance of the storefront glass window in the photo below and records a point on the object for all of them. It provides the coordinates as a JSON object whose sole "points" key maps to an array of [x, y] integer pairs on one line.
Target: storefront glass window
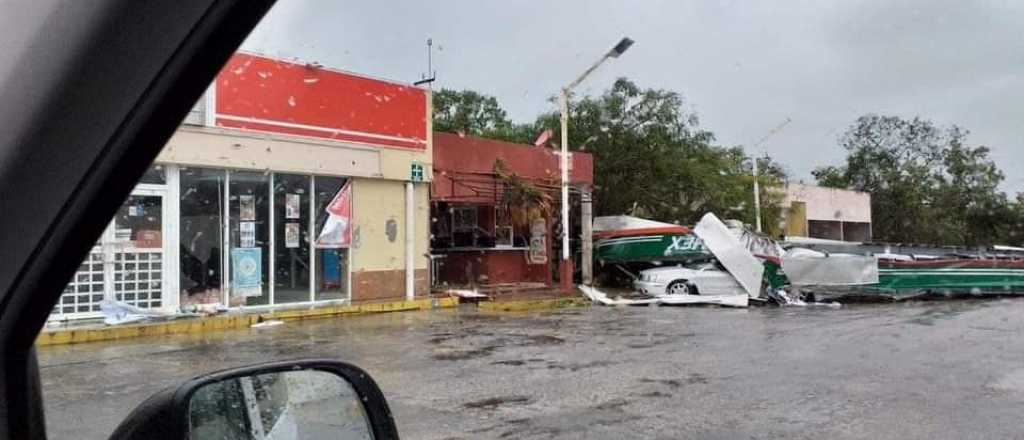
{"points": [[331, 264], [291, 238], [201, 235], [249, 222]]}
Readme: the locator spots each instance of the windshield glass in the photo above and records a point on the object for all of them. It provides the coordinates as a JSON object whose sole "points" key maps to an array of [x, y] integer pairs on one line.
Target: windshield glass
{"points": [[844, 177]]}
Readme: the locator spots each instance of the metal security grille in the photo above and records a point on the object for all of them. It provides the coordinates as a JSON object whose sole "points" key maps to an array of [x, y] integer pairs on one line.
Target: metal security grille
{"points": [[137, 277], [83, 294]]}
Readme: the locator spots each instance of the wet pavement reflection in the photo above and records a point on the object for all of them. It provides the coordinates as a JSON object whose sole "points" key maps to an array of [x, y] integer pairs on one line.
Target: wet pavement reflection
{"points": [[951, 369]]}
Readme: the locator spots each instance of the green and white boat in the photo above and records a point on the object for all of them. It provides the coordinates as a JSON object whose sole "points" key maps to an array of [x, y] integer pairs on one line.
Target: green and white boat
{"points": [[626, 239]]}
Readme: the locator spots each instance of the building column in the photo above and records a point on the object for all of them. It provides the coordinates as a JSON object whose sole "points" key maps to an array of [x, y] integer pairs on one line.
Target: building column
{"points": [[587, 247], [410, 233]]}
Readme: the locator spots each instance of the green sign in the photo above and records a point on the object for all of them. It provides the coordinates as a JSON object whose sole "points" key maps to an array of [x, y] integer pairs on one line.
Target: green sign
{"points": [[650, 248], [416, 172]]}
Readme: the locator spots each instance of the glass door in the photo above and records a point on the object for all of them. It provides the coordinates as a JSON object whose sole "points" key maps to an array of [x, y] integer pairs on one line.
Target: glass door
{"points": [[128, 262], [137, 251]]}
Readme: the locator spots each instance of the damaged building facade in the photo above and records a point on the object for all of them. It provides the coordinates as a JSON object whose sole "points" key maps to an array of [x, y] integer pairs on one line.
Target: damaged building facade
{"points": [[289, 183], [495, 209]]}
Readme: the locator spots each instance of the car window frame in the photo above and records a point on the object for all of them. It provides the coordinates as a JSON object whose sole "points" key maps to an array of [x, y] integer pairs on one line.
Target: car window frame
{"points": [[106, 141]]}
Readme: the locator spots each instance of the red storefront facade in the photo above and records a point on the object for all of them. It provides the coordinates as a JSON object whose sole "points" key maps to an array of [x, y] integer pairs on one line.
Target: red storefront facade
{"points": [[475, 240]]}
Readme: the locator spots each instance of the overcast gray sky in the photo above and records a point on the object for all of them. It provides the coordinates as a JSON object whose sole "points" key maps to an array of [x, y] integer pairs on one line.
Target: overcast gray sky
{"points": [[742, 66]]}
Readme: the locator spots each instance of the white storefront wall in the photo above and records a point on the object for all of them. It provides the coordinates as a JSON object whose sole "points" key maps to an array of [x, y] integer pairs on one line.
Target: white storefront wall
{"points": [[113, 268]]}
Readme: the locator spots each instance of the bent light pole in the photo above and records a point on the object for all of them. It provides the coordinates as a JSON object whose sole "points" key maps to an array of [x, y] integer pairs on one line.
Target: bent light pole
{"points": [[565, 265]]}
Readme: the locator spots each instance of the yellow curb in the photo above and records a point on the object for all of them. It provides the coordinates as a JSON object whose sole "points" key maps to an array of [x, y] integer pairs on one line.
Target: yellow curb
{"points": [[530, 305], [198, 325], [358, 309], [240, 321]]}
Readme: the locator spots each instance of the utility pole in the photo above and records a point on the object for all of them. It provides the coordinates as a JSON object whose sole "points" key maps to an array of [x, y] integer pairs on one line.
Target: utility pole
{"points": [[757, 188]]}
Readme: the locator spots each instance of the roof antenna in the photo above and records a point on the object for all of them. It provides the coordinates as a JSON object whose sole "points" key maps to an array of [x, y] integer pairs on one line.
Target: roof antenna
{"points": [[430, 68]]}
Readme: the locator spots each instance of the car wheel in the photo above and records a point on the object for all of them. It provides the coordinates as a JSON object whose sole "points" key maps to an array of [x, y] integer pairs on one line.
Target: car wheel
{"points": [[681, 287]]}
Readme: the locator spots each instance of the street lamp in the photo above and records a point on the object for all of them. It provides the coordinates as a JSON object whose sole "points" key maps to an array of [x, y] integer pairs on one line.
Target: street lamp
{"points": [[565, 266]]}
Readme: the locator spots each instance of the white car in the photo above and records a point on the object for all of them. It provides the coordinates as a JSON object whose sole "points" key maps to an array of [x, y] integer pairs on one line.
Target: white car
{"points": [[703, 279]]}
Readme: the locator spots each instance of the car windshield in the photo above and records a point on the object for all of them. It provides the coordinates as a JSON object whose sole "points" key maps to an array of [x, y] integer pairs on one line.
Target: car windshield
{"points": [[525, 185]]}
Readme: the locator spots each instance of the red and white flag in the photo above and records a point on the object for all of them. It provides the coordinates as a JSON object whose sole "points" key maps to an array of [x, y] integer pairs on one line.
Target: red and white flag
{"points": [[337, 230]]}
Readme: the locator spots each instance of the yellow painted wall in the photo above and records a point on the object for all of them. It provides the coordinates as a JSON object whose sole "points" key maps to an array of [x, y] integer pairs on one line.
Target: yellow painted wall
{"points": [[374, 203]]}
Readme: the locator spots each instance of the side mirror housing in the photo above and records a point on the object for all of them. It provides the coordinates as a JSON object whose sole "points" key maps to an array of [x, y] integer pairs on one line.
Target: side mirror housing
{"points": [[281, 400]]}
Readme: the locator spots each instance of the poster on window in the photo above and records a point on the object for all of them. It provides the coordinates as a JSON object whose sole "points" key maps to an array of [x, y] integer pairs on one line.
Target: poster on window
{"points": [[538, 242], [247, 234], [291, 206], [336, 232], [246, 208], [246, 272], [291, 235]]}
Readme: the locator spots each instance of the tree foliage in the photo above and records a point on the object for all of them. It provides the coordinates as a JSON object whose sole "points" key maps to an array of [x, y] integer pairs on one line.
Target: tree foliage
{"points": [[651, 156], [475, 114], [927, 184]]}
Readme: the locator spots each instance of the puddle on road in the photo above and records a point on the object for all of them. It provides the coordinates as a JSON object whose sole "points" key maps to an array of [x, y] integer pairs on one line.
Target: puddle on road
{"points": [[579, 366], [654, 395], [950, 310], [692, 379], [461, 355], [612, 404], [517, 362], [543, 340], [1014, 381], [495, 402]]}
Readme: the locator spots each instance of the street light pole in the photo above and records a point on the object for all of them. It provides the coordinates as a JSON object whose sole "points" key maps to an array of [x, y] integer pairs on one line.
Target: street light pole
{"points": [[563, 105], [565, 266], [757, 198]]}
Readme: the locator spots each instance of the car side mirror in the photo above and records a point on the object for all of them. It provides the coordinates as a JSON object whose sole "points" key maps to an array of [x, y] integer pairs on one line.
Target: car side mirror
{"points": [[309, 399]]}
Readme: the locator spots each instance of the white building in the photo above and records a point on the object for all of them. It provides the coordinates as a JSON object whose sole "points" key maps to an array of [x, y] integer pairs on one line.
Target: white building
{"points": [[830, 213]]}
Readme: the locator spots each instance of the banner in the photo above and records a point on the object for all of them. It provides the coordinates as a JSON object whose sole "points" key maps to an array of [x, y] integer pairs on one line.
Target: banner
{"points": [[337, 230], [246, 272]]}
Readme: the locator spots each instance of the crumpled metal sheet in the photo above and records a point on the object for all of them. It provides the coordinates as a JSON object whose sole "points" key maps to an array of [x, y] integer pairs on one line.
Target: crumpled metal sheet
{"points": [[830, 270], [729, 251]]}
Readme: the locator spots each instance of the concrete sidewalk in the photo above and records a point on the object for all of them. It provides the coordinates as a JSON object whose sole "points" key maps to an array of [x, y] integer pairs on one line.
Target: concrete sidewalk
{"points": [[78, 333]]}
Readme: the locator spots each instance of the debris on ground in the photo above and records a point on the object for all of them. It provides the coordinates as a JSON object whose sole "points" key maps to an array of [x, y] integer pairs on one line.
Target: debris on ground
{"points": [[117, 312], [600, 297], [268, 323], [466, 294], [784, 298]]}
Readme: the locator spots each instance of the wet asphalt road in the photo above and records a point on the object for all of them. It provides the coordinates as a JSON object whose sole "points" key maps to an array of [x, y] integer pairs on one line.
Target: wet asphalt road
{"points": [[934, 370]]}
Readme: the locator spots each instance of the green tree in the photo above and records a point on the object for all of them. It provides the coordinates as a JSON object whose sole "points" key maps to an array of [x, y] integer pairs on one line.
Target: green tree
{"points": [[475, 114], [651, 156], [653, 159], [926, 184]]}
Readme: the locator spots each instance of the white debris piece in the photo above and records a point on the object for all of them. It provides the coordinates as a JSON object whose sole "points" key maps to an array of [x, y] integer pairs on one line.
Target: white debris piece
{"points": [[786, 299], [722, 300], [468, 294], [600, 297], [116, 312], [264, 324], [733, 255]]}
